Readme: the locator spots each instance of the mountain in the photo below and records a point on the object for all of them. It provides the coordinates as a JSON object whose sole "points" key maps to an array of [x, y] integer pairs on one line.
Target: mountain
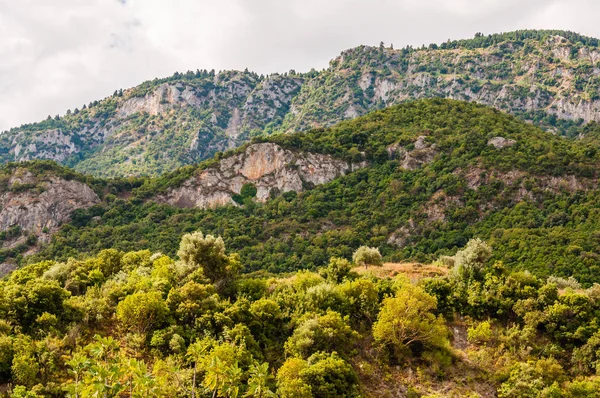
{"points": [[417, 180], [125, 291], [551, 78]]}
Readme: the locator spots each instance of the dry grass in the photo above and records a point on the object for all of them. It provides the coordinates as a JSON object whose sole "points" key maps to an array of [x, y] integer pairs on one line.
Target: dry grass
{"points": [[413, 271]]}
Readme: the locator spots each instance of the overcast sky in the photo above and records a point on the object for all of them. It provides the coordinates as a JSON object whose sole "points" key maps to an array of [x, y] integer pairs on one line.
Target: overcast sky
{"points": [[59, 54]]}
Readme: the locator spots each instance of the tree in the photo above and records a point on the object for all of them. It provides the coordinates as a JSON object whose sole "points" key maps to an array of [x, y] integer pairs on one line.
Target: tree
{"points": [[530, 379], [587, 358], [191, 301], [222, 378], [470, 262], [246, 195], [366, 256], [258, 383], [222, 371], [103, 376], [77, 367], [195, 353], [6, 356], [328, 375], [336, 270], [362, 301], [289, 382], [248, 190], [328, 333], [22, 392], [208, 253], [110, 261], [25, 366], [406, 321], [32, 299], [141, 312]]}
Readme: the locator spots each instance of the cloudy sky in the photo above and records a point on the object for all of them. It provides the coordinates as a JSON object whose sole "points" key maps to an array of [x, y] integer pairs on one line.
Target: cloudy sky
{"points": [[57, 55]]}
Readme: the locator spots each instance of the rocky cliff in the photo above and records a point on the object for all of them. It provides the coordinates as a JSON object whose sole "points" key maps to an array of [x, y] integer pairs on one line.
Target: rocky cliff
{"points": [[38, 205], [159, 125], [32, 207], [268, 167], [543, 76]]}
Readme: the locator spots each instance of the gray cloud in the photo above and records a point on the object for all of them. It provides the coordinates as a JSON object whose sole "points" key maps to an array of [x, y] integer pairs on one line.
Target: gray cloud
{"points": [[64, 53]]}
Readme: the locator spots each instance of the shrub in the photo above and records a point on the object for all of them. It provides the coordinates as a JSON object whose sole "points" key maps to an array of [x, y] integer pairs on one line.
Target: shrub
{"points": [[406, 321], [329, 332], [142, 312]]}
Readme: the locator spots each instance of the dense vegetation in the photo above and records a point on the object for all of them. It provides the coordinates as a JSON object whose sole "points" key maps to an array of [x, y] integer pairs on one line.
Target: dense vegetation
{"points": [[544, 76], [129, 299], [142, 324], [535, 201]]}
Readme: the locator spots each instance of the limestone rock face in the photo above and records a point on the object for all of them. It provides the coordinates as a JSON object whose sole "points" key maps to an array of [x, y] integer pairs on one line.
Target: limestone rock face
{"points": [[159, 100], [51, 144], [267, 166], [501, 142], [37, 212]]}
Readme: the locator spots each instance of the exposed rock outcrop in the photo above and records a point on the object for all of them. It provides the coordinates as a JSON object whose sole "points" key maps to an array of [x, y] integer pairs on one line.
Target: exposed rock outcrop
{"points": [[475, 177], [423, 153], [501, 142], [37, 212], [267, 166]]}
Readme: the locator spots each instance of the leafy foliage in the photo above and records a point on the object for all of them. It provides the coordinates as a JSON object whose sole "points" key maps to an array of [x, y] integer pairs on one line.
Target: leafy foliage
{"points": [[153, 326]]}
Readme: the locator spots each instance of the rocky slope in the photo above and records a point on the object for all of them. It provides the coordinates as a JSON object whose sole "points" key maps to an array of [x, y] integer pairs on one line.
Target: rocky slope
{"points": [[268, 167], [45, 205], [33, 206], [158, 125], [549, 77], [552, 74]]}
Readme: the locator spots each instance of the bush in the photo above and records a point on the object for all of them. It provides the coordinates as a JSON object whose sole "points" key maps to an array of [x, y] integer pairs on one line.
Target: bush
{"points": [[480, 334], [406, 322], [142, 312], [470, 261], [336, 270], [328, 375], [564, 283], [328, 333]]}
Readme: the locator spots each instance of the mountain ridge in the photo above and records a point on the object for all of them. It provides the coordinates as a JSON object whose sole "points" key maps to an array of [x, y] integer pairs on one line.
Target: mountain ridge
{"points": [[548, 77]]}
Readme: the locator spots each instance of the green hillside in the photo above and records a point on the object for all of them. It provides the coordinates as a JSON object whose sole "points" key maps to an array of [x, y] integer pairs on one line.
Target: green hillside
{"points": [[535, 202], [303, 295]]}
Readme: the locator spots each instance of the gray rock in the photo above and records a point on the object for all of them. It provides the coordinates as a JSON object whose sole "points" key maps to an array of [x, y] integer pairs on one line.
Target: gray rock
{"points": [[35, 212], [501, 142], [268, 166]]}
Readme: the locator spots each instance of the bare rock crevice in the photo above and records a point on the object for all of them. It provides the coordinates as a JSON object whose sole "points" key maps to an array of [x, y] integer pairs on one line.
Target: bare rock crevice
{"points": [[267, 166]]}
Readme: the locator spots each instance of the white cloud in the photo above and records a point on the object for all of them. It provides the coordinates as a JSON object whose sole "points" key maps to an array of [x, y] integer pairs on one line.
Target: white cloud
{"points": [[64, 53]]}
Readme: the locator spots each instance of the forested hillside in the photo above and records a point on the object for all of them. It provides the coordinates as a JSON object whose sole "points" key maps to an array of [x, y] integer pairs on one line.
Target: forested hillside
{"points": [[433, 174], [293, 287], [551, 78]]}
